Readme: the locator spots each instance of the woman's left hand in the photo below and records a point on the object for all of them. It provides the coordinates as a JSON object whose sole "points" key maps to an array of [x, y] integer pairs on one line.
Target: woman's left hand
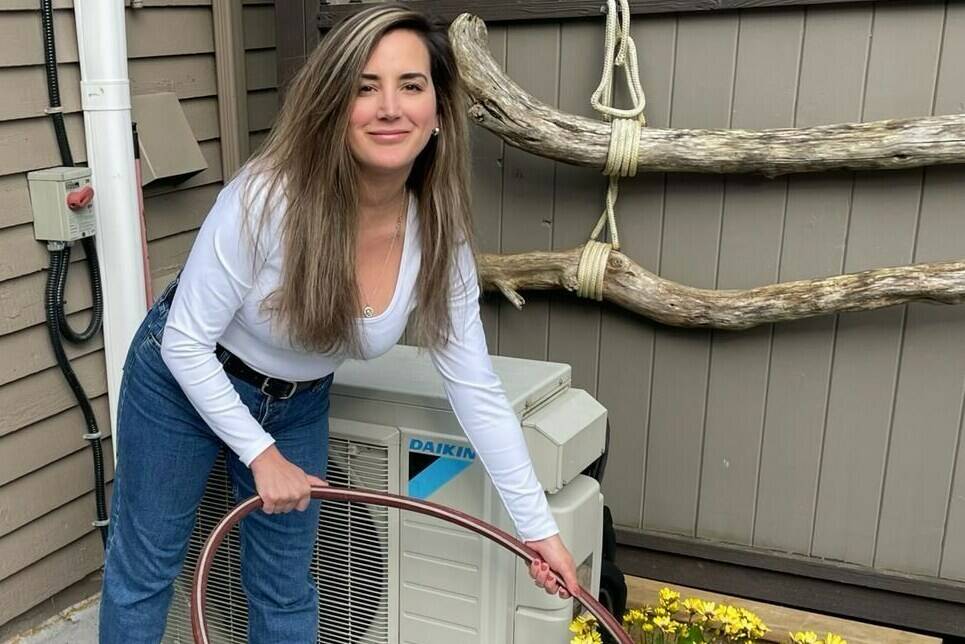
{"points": [[554, 556]]}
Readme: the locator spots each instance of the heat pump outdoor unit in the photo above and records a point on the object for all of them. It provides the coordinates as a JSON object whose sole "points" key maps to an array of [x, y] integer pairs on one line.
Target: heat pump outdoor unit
{"points": [[386, 576]]}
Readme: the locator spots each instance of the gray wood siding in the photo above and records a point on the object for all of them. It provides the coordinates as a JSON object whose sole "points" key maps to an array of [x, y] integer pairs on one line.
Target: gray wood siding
{"points": [[46, 481], [836, 437]]}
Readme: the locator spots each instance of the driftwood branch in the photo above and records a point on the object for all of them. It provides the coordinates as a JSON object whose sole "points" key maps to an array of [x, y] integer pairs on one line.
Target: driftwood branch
{"points": [[503, 107], [638, 290], [524, 122]]}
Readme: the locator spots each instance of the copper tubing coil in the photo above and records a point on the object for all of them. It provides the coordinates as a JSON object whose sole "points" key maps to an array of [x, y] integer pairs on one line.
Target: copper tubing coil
{"points": [[199, 626]]}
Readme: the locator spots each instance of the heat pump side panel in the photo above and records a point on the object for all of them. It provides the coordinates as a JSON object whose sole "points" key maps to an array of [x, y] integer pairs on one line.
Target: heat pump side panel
{"points": [[456, 586]]}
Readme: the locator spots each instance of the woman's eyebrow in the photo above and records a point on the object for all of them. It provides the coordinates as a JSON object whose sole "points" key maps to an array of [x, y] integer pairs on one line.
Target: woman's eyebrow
{"points": [[405, 76]]}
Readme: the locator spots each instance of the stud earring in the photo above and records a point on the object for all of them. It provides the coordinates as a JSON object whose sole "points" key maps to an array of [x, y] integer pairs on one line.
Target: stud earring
{"points": [[435, 131]]}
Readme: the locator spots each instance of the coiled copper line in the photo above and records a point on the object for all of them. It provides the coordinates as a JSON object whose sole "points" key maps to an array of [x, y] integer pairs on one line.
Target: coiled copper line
{"points": [[199, 624]]}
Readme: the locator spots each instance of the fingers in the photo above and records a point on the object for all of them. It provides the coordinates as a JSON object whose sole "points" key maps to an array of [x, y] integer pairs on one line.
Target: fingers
{"points": [[314, 480], [294, 493], [543, 577]]}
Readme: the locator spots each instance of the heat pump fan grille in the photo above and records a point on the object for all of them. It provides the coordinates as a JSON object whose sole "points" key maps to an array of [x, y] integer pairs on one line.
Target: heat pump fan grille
{"points": [[350, 564]]}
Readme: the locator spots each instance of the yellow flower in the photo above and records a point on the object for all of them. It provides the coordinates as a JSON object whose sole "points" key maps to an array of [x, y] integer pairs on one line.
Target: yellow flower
{"points": [[694, 605], [669, 599], [634, 617], [585, 628], [804, 637], [583, 624], [589, 638]]}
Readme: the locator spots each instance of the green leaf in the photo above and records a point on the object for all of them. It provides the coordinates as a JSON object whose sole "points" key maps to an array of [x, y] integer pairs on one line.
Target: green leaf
{"points": [[693, 636]]}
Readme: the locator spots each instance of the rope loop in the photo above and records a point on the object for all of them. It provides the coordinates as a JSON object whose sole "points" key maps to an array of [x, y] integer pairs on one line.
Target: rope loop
{"points": [[592, 269], [626, 57]]}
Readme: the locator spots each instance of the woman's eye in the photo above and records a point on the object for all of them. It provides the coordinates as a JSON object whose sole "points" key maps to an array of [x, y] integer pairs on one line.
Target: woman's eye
{"points": [[412, 87], [366, 89]]}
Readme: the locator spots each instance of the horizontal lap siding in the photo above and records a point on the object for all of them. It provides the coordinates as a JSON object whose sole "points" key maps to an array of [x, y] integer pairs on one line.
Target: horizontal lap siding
{"points": [[261, 70], [46, 479]]}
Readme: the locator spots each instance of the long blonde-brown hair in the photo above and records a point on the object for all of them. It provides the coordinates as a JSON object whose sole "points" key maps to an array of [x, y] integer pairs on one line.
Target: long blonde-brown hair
{"points": [[307, 162]]}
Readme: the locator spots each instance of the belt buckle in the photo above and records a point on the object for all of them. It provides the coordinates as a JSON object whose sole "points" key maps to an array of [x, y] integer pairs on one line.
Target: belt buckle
{"points": [[291, 391]]}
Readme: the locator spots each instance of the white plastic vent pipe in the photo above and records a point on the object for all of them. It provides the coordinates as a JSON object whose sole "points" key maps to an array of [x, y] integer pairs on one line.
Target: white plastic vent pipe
{"points": [[106, 101]]}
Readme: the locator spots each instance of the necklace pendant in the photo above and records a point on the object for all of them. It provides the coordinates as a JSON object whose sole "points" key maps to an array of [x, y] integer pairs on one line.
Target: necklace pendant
{"points": [[368, 312]]}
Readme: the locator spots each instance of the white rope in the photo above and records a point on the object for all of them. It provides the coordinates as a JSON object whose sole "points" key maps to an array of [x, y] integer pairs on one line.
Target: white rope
{"points": [[623, 153], [602, 97]]}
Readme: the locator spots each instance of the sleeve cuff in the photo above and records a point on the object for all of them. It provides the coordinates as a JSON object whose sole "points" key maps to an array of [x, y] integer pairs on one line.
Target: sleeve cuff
{"points": [[255, 449], [540, 530]]}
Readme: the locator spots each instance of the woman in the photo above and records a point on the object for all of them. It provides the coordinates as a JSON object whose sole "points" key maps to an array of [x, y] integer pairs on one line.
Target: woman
{"points": [[352, 221]]}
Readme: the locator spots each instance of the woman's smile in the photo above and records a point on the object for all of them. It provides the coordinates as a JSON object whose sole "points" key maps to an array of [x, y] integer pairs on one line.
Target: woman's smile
{"points": [[389, 136]]}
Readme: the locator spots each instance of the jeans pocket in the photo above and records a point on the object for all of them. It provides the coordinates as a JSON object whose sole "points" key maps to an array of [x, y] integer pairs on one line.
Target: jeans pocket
{"points": [[157, 317], [155, 328]]}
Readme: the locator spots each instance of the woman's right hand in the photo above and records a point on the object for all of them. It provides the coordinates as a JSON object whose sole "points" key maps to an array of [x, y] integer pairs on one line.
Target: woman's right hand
{"points": [[282, 485]]}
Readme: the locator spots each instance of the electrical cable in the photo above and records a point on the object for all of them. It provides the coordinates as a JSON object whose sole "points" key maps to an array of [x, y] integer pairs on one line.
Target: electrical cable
{"points": [[54, 309], [97, 295], [57, 325], [199, 626], [53, 84]]}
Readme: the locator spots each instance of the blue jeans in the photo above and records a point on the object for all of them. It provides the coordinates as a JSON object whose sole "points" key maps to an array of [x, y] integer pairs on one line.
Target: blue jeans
{"points": [[165, 452]]}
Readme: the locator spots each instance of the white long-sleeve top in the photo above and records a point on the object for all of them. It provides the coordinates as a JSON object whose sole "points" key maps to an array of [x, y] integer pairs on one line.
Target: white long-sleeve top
{"points": [[218, 301]]}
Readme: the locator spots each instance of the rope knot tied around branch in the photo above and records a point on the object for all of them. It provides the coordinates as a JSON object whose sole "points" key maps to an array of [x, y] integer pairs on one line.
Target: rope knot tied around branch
{"points": [[592, 269]]}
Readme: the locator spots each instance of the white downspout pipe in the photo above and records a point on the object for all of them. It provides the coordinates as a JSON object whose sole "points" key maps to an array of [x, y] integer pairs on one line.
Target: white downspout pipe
{"points": [[106, 101]]}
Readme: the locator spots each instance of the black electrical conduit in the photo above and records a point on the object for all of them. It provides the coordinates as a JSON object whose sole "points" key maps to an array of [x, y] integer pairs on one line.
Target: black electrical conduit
{"points": [[56, 111], [57, 324], [199, 625]]}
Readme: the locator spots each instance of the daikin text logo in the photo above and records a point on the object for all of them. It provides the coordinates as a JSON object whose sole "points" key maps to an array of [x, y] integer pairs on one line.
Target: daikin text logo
{"points": [[441, 448]]}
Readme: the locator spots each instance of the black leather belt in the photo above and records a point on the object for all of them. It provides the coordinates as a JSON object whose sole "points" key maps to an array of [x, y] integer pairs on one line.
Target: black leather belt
{"points": [[275, 387]]}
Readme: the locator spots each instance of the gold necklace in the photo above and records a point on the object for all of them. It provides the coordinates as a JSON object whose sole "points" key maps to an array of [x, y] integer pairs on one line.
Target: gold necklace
{"points": [[367, 310]]}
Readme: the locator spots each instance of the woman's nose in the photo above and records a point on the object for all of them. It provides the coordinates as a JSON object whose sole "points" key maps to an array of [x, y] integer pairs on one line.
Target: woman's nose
{"points": [[389, 108]]}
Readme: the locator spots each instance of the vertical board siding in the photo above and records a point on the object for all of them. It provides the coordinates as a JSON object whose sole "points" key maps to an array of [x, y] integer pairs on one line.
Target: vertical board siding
{"points": [[702, 96], [574, 328], [813, 244], [926, 421], [941, 235], [626, 340], [881, 232], [764, 93], [533, 59], [488, 161], [803, 437]]}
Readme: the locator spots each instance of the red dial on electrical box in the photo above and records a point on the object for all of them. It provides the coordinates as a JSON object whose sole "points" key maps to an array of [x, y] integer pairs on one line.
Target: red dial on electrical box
{"points": [[80, 198]]}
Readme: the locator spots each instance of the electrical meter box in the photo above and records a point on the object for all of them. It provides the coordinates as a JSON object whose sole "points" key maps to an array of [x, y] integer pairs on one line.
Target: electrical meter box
{"points": [[62, 202]]}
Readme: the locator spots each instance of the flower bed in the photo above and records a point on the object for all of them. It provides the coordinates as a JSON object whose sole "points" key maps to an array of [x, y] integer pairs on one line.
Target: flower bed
{"points": [[691, 621]]}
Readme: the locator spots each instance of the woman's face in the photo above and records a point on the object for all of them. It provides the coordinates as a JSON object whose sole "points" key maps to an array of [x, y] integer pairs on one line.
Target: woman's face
{"points": [[394, 111]]}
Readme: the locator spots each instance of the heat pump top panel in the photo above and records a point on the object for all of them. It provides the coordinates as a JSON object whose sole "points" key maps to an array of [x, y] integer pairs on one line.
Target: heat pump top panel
{"points": [[403, 376]]}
